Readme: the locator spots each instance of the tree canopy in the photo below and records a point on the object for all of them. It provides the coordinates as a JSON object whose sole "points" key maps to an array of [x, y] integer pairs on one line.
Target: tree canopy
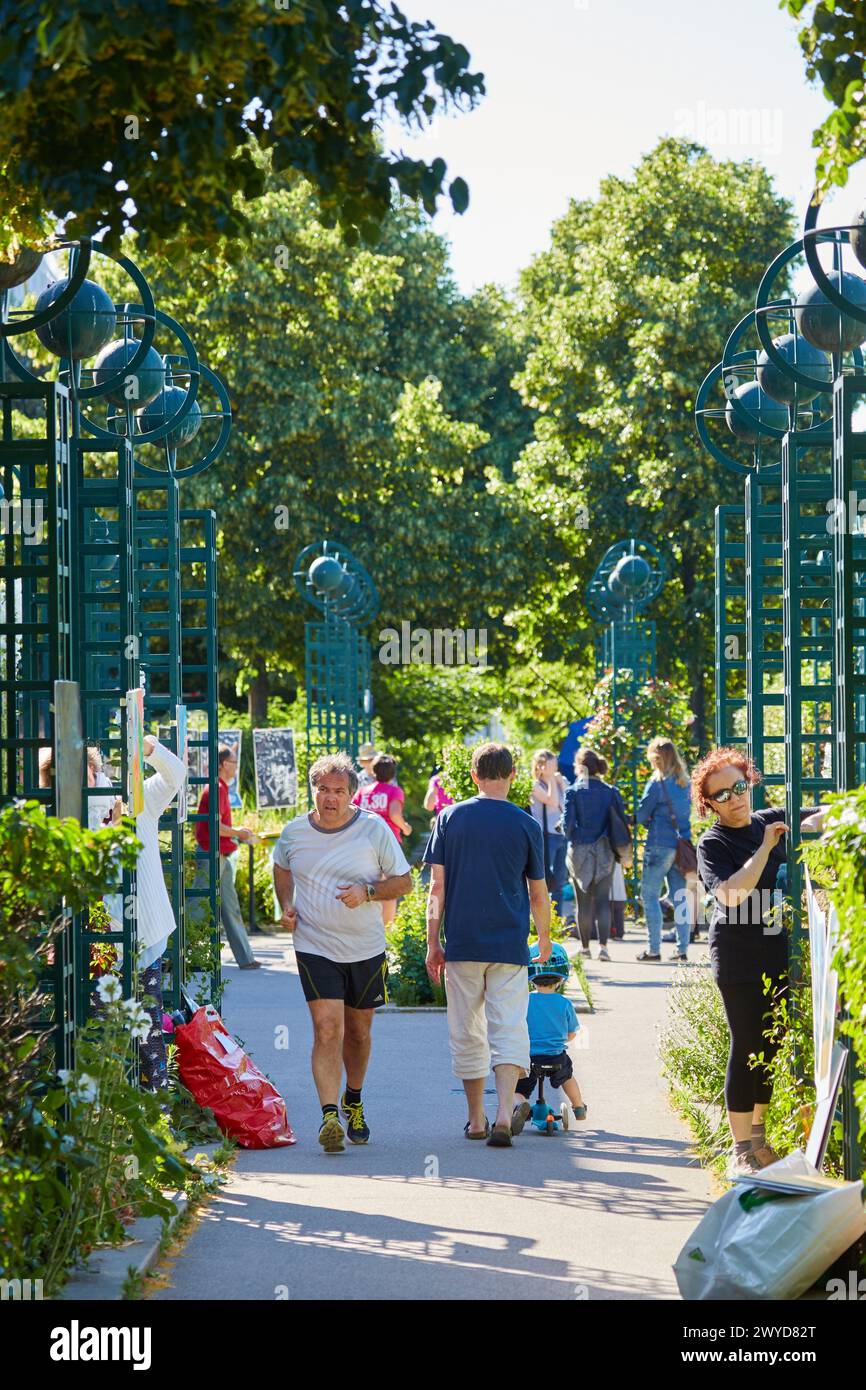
{"points": [[372, 403], [163, 103], [623, 315], [834, 42]]}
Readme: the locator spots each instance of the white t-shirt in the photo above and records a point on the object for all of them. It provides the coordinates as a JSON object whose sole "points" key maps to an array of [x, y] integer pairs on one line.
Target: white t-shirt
{"points": [[320, 860]]}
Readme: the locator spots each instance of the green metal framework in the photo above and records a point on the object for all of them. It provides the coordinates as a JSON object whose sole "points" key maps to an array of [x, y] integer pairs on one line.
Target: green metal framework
{"points": [[764, 627], [730, 605], [337, 668], [805, 580], [849, 576], [629, 575], [807, 487], [99, 600]]}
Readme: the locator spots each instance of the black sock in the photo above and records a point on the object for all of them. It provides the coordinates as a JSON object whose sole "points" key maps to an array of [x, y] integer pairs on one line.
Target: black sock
{"points": [[352, 1097], [328, 1110]]}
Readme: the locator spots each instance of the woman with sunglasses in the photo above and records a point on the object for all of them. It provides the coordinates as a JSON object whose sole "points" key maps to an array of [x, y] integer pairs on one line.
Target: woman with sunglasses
{"points": [[738, 861]]}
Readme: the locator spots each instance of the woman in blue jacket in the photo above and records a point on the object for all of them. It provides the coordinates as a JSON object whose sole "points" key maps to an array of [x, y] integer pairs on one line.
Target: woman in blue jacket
{"points": [[665, 808], [590, 857]]}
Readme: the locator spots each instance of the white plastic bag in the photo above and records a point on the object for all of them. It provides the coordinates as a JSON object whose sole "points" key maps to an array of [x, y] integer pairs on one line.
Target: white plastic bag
{"points": [[756, 1243]]}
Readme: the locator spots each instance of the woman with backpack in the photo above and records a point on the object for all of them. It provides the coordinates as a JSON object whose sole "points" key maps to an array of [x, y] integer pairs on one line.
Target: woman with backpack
{"points": [[665, 808], [596, 829]]}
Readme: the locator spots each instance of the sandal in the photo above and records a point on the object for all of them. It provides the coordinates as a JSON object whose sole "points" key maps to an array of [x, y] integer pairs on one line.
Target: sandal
{"points": [[649, 955], [500, 1137], [483, 1134]]}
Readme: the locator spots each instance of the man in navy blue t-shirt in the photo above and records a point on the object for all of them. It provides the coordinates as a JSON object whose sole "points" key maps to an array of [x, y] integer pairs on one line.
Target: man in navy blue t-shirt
{"points": [[487, 872]]}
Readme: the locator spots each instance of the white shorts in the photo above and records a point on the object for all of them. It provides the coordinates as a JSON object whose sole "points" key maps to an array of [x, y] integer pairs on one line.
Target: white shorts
{"points": [[487, 1003]]}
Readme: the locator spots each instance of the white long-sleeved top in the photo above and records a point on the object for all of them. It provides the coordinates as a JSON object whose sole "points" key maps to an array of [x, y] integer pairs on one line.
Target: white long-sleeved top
{"points": [[155, 917]]}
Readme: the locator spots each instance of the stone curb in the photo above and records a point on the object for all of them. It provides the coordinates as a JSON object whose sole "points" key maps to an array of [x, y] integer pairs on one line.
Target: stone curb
{"points": [[107, 1269], [412, 1009]]}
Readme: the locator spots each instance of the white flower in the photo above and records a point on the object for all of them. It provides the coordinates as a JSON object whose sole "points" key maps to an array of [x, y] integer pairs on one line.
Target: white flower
{"points": [[86, 1090], [67, 1144], [109, 989], [63, 1076], [139, 1020]]}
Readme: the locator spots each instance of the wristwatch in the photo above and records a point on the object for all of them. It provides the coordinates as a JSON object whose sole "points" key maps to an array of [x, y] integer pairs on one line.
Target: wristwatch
{"points": [[371, 892]]}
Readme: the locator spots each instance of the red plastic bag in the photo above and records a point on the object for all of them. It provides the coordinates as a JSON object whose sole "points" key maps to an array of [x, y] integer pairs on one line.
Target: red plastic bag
{"points": [[220, 1075]]}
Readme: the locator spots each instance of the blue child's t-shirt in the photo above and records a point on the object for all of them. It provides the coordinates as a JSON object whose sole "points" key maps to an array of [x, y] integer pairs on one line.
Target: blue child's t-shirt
{"points": [[489, 849], [551, 1018]]}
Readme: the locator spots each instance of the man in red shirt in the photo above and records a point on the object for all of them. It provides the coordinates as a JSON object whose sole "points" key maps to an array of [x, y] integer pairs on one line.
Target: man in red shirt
{"points": [[230, 908]]}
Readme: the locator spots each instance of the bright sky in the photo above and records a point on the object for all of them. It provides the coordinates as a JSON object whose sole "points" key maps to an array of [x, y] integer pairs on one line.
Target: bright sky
{"points": [[577, 89]]}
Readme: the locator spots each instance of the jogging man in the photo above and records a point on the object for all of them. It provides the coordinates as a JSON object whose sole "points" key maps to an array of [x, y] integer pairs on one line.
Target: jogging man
{"points": [[333, 869], [487, 872]]}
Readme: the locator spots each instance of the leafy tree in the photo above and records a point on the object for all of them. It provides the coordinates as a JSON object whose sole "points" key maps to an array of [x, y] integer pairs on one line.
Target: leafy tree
{"points": [[625, 312], [164, 102], [833, 39], [354, 418]]}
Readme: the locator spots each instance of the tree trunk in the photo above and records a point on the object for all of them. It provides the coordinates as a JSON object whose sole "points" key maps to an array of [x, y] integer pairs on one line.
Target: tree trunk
{"points": [[257, 698]]}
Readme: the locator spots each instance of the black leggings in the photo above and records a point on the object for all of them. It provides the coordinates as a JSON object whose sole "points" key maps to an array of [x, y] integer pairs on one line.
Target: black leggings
{"points": [[747, 1009], [594, 906]]}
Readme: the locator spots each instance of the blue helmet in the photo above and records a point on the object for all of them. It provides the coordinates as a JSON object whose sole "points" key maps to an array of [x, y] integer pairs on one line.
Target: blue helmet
{"points": [[556, 967]]}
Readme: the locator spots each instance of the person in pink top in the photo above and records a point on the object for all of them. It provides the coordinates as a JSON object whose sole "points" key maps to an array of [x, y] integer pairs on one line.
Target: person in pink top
{"points": [[384, 798], [436, 798]]}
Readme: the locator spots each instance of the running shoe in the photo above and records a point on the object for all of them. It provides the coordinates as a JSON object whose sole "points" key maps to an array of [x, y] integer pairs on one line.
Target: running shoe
{"points": [[357, 1129], [332, 1134], [743, 1165], [603, 955]]}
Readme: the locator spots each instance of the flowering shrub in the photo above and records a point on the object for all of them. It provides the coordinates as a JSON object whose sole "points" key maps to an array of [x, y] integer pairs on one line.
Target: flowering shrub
{"points": [[621, 733], [457, 781], [82, 1149], [838, 862], [408, 981]]}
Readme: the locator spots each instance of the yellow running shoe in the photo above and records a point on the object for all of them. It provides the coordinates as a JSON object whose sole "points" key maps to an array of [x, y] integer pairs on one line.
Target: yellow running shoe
{"points": [[332, 1134]]}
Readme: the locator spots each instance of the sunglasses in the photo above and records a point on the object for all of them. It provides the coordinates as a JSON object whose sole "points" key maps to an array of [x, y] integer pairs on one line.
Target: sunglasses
{"points": [[727, 792]]}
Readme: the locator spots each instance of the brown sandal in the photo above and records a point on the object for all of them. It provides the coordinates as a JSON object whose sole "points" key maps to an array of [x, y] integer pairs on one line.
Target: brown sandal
{"points": [[500, 1137], [483, 1134]]}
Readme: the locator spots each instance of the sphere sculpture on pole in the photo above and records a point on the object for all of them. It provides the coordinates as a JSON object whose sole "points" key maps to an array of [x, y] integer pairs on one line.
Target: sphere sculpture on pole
{"points": [[337, 656], [629, 576]]}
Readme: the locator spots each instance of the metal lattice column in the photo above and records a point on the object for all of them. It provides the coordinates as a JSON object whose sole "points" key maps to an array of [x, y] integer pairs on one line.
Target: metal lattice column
{"points": [[849, 572], [199, 657], [764, 626], [158, 592], [36, 635], [807, 487], [731, 627], [104, 625], [849, 567]]}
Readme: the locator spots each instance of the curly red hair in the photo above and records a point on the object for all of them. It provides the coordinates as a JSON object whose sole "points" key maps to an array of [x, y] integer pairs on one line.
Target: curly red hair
{"points": [[716, 759]]}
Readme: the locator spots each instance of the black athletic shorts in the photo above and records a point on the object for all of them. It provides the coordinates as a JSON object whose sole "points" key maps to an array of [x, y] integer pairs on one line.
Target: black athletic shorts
{"points": [[361, 984], [563, 1070]]}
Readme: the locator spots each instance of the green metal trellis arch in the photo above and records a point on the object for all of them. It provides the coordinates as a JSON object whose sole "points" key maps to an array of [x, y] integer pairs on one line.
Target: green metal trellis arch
{"points": [[120, 588], [791, 398]]}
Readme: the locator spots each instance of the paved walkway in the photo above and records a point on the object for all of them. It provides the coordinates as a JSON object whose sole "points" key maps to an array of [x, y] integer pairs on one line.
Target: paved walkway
{"points": [[420, 1213]]}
